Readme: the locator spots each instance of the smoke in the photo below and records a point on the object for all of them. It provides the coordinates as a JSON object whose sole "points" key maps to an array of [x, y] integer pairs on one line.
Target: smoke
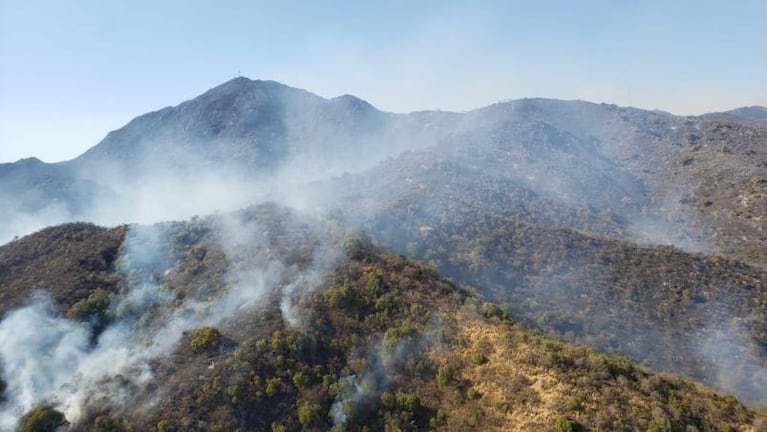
{"points": [[384, 364], [36, 348], [16, 222], [335, 162], [739, 367], [47, 358]]}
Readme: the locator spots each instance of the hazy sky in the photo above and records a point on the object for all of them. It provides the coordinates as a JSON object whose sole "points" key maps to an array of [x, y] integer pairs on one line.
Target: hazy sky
{"points": [[71, 71]]}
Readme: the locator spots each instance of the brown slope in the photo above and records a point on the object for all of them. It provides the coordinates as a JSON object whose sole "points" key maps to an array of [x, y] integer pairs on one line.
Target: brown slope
{"points": [[700, 316], [425, 354], [68, 261]]}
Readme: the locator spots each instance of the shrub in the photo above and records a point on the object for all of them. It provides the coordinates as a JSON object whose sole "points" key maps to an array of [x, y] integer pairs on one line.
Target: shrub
{"points": [[273, 385], [444, 375], [308, 413], [42, 419], [93, 308], [163, 426], [440, 417], [339, 297], [564, 424], [302, 380], [660, 424], [373, 283], [205, 339], [107, 424], [474, 416], [472, 394], [388, 400], [490, 310], [478, 359], [409, 402]]}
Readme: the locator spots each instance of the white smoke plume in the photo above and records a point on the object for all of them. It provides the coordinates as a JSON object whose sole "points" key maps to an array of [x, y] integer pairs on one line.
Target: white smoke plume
{"points": [[384, 361], [48, 358], [737, 362]]}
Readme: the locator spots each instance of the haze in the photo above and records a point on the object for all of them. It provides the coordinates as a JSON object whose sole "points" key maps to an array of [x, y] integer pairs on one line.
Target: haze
{"points": [[71, 72]]}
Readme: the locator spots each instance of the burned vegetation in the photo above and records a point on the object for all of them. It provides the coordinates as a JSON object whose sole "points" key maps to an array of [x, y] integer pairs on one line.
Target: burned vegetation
{"points": [[375, 342]]}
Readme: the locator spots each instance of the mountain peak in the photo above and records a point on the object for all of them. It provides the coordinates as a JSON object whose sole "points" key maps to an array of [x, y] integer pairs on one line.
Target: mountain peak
{"points": [[242, 81], [244, 84], [29, 161], [353, 102], [750, 111]]}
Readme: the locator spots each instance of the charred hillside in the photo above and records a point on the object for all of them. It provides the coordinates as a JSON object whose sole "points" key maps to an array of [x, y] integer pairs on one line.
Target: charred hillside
{"points": [[376, 341]]}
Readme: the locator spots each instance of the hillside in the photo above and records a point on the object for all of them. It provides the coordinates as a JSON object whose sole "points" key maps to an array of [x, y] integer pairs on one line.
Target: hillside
{"points": [[241, 124], [697, 183], [675, 311], [628, 232], [366, 341]]}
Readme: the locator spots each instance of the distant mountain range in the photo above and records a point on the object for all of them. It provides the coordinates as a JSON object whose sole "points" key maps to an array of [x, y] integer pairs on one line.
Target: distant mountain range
{"points": [[696, 182]]}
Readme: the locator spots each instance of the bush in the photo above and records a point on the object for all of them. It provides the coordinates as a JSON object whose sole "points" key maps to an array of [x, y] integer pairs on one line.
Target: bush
{"points": [[472, 394], [42, 419], [441, 417], [478, 359], [163, 426], [474, 416], [340, 297], [93, 308], [309, 413], [273, 385], [107, 424], [444, 375], [409, 402], [490, 310], [388, 400], [661, 424], [301, 380], [205, 339], [564, 424]]}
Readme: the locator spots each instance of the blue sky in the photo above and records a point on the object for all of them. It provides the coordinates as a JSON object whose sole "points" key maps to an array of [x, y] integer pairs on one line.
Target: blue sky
{"points": [[72, 71]]}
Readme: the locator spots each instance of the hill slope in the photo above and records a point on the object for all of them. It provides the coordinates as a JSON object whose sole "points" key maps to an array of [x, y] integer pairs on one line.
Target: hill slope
{"points": [[634, 232], [694, 182], [365, 342]]}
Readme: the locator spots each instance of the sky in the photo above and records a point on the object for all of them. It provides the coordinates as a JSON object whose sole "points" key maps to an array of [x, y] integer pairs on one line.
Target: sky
{"points": [[72, 71]]}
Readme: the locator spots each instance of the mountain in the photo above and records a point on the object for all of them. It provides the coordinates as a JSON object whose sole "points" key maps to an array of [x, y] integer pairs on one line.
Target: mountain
{"points": [[243, 123], [372, 342], [240, 132], [694, 182], [752, 115], [634, 233]]}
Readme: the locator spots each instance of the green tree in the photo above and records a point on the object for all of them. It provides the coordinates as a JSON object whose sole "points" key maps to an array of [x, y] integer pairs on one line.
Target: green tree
{"points": [[661, 424], [92, 309], [43, 418], [564, 424], [444, 375], [309, 414], [205, 339]]}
